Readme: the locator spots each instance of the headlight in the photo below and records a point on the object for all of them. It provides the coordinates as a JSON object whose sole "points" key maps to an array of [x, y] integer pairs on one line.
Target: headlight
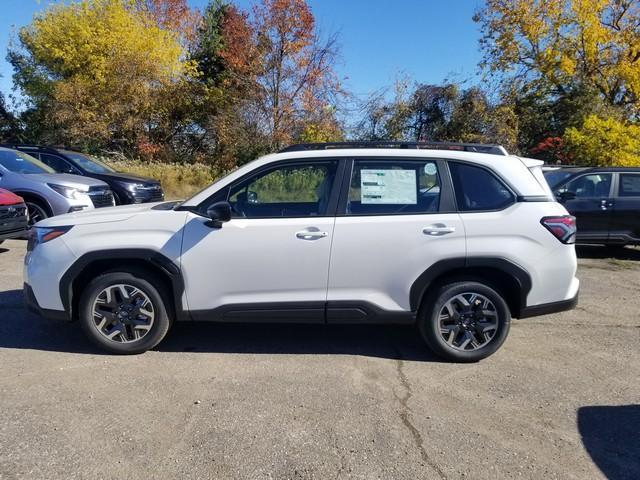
{"points": [[38, 235], [67, 192], [134, 186]]}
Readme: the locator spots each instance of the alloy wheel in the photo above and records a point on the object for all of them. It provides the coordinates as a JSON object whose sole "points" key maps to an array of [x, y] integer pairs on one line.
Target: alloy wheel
{"points": [[36, 213], [468, 321], [123, 313]]}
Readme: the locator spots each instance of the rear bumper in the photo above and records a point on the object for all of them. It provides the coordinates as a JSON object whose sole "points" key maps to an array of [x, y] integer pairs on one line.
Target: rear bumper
{"points": [[32, 305], [548, 308]]}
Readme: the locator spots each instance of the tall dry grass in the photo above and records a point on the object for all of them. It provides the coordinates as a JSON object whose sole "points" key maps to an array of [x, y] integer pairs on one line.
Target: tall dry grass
{"points": [[179, 181]]}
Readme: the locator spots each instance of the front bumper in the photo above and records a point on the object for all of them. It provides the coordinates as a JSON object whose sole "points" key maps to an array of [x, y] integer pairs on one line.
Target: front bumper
{"points": [[32, 305], [19, 232], [549, 308]]}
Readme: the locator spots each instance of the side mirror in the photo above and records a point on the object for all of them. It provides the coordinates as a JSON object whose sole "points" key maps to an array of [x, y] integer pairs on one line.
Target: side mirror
{"points": [[219, 213], [566, 195]]}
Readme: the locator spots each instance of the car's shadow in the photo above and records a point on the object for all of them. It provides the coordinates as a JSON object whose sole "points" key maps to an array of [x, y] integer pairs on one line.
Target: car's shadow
{"points": [[22, 329], [611, 436], [596, 251]]}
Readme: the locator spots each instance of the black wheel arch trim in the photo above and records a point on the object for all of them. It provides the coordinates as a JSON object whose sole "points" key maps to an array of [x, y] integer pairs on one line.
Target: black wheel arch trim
{"points": [[153, 257], [421, 285]]}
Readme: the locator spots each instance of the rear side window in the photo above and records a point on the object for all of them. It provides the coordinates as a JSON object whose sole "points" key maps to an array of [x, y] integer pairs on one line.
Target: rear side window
{"points": [[394, 187], [629, 185], [478, 189]]}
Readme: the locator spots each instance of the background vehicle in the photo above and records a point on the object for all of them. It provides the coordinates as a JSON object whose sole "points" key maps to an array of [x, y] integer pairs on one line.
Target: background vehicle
{"points": [[13, 216], [605, 202], [47, 193], [454, 241], [126, 188]]}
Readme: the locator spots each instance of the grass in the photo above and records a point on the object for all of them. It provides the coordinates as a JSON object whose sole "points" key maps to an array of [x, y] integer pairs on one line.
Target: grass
{"points": [[179, 181]]}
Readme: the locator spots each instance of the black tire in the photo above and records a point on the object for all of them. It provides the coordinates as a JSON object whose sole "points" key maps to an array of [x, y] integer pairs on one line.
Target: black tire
{"points": [[140, 280], [430, 328]]}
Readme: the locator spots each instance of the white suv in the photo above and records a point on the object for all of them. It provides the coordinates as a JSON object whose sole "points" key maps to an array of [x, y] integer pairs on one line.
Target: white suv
{"points": [[455, 238]]}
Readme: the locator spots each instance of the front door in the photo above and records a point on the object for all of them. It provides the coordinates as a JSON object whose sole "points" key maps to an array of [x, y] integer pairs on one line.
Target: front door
{"points": [[271, 261], [588, 198], [391, 226]]}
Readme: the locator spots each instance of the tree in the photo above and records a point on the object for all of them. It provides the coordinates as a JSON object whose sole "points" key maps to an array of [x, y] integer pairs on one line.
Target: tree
{"points": [[9, 126], [296, 77], [172, 15], [604, 142], [96, 67], [564, 43]]}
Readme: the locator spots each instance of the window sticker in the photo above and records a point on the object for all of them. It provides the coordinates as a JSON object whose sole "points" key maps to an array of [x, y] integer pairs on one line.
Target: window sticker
{"points": [[388, 187], [430, 169]]}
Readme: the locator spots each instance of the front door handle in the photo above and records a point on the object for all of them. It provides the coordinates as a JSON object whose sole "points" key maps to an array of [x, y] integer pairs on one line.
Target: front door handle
{"points": [[438, 229], [311, 234]]}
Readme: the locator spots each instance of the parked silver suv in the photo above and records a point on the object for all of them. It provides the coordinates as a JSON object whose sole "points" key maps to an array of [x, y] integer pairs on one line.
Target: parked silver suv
{"points": [[47, 193]]}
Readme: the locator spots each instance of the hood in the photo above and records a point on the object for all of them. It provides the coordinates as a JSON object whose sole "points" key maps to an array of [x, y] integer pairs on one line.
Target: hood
{"points": [[98, 215], [66, 179], [9, 198], [124, 177]]}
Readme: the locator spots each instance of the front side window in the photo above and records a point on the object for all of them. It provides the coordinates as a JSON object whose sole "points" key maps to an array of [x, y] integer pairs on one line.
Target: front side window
{"points": [[477, 189], [596, 185], [287, 191], [629, 185], [58, 164], [18, 162], [393, 187], [89, 163]]}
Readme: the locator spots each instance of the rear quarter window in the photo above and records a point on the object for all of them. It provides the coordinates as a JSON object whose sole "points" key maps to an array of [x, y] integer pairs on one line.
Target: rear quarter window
{"points": [[477, 189]]}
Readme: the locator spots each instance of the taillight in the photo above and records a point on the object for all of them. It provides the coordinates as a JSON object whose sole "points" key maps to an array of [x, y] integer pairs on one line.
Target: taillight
{"points": [[562, 227]]}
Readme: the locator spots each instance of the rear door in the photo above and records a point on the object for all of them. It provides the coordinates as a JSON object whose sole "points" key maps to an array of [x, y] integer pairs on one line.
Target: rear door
{"points": [[589, 198], [625, 220], [395, 220]]}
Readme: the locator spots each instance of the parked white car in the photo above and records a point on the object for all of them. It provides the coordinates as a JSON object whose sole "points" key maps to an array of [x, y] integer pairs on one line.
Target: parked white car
{"points": [[454, 238]]}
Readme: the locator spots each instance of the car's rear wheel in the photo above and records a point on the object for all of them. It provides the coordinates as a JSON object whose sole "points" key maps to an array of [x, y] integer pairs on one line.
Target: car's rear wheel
{"points": [[124, 312], [464, 321], [36, 211]]}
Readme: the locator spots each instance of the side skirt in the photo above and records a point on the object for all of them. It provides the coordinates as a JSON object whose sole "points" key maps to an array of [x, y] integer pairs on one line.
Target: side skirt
{"points": [[344, 313]]}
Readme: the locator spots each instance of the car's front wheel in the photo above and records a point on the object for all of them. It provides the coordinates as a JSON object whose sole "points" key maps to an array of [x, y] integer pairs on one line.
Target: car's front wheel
{"points": [[123, 312], [464, 321]]}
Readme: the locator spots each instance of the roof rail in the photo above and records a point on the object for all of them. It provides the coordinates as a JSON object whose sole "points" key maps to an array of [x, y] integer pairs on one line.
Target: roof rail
{"points": [[463, 147]]}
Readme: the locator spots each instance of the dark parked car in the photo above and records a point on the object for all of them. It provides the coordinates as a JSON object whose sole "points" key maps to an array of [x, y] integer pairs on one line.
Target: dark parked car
{"points": [[126, 188], [13, 216], [605, 202]]}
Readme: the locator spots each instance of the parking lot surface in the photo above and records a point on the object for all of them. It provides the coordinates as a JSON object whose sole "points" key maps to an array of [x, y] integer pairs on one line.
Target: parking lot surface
{"points": [[561, 399]]}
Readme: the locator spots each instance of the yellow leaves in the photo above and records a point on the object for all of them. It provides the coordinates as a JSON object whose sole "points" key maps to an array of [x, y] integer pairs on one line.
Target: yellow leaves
{"points": [[94, 37], [563, 42], [604, 142]]}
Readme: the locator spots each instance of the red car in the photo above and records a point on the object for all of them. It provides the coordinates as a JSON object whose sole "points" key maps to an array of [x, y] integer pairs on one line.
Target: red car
{"points": [[13, 216]]}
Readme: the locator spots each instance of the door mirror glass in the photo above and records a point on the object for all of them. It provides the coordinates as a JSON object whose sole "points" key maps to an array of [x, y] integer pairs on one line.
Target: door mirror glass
{"points": [[219, 213]]}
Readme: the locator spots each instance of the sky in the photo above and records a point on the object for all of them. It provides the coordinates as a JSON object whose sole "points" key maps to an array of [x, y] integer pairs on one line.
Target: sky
{"points": [[380, 40]]}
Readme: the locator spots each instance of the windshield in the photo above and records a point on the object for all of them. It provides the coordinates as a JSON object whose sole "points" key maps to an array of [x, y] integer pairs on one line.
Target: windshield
{"points": [[555, 177], [19, 162], [89, 163]]}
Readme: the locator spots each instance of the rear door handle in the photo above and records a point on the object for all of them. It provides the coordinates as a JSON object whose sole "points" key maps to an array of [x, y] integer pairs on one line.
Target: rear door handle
{"points": [[438, 229], [311, 234]]}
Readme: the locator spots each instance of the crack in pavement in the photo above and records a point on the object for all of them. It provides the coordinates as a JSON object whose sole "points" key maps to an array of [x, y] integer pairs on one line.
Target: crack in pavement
{"points": [[405, 416]]}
